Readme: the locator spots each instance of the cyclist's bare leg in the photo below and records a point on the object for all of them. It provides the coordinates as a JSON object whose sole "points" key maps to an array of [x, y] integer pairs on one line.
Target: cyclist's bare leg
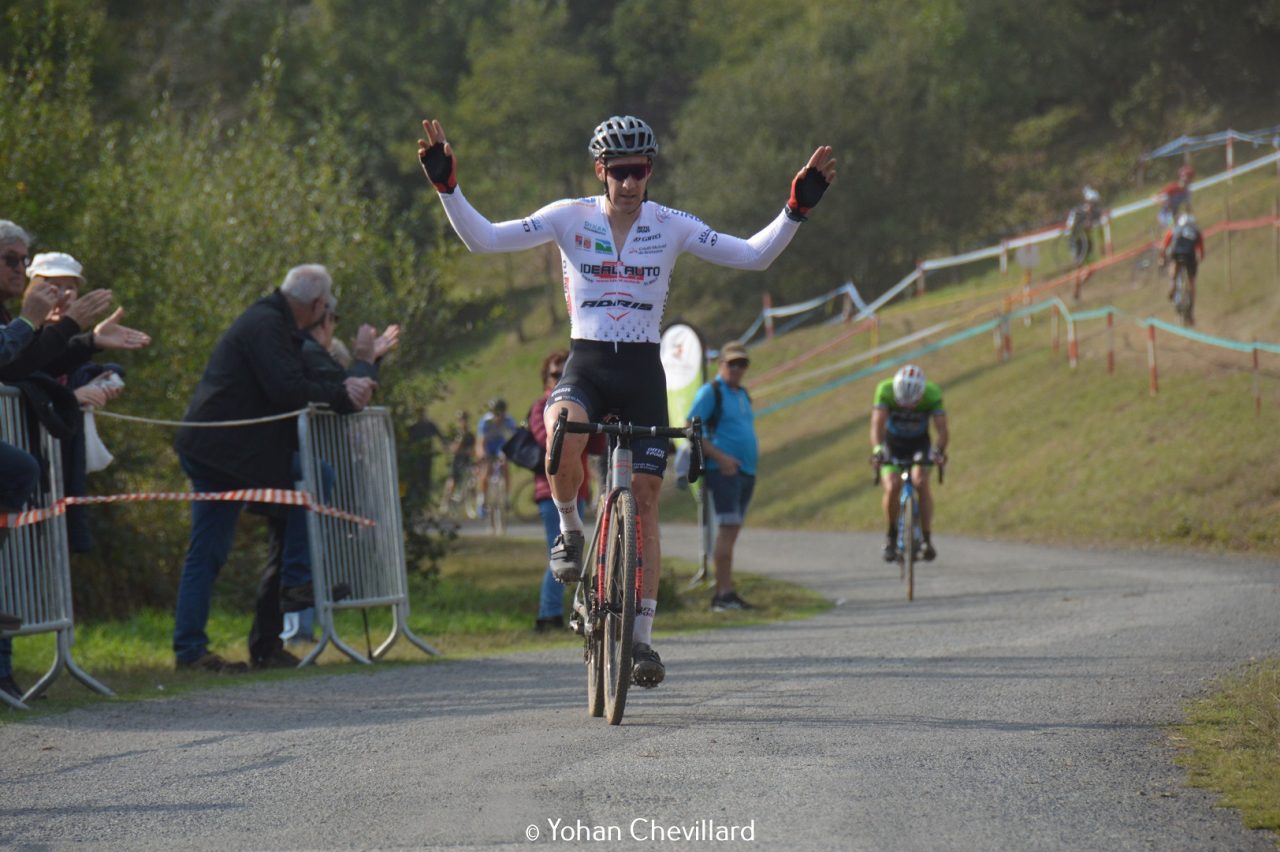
{"points": [[568, 479], [892, 490], [920, 479], [1191, 294], [646, 487], [1173, 277]]}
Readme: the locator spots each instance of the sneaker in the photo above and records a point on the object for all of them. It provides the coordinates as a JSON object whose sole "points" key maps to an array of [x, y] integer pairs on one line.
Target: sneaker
{"points": [[550, 624], [298, 598], [890, 550], [647, 669], [279, 659], [728, 601], [211, 662], [9, 621], [566, 556], [927, 552]]}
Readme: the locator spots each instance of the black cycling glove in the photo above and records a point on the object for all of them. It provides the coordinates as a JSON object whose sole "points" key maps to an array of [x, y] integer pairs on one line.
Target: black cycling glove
{"points": [[806, 192], [441, 168]]}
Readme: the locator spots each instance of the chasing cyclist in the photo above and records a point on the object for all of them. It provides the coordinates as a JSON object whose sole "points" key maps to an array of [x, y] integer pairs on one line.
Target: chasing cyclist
{"points": [[617, 251], [496, 426], [1081, 222], [1174, 196], [1184, 245], [900, 415]]}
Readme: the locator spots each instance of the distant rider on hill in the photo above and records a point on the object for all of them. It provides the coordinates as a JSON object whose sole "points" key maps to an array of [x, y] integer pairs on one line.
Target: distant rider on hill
{"points": [[900, 415], [1184, 245]]}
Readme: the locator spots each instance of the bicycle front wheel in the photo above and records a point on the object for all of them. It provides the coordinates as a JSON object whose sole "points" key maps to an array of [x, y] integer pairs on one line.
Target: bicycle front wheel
{"points": [[621, 563], [909, 546]]}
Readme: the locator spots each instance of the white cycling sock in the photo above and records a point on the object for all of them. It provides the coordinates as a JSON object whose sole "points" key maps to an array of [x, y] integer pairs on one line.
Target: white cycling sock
{"points": [[570, 520], [643, 631]]}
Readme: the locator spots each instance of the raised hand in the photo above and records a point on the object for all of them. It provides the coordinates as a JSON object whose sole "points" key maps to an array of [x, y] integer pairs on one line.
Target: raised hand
{"points": [[87, 308], [386, 341], [811, 182], [40, 300], [436, 156], [109, 334]]}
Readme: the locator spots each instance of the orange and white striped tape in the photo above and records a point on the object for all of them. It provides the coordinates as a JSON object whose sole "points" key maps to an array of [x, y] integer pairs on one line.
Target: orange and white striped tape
{"points": [[279, 496]]}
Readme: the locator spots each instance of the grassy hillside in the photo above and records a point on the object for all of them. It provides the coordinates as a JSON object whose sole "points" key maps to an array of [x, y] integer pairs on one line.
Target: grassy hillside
{"points": [[1039, 451]]}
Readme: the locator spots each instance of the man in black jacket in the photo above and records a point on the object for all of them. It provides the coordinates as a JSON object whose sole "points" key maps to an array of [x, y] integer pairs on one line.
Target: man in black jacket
{"points": [[256, 371]]}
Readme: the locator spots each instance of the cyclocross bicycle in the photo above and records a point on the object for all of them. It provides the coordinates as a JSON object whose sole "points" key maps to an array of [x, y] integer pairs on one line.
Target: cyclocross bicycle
{"points": [[909, 530], [605, 599]]}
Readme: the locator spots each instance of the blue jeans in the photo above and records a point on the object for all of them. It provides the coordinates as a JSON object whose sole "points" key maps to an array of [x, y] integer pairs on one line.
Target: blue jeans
{"points": [[213, 528], [297, 550], [551, 601], [19, 472]]}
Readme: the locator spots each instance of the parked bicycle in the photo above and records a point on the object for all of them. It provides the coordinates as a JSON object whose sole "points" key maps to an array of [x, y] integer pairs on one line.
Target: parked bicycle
{"points": [[605, 599], [909, 528]]}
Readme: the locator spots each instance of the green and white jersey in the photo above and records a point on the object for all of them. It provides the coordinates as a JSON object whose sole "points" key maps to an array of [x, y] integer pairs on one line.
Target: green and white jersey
{"points": [[910, 422]]}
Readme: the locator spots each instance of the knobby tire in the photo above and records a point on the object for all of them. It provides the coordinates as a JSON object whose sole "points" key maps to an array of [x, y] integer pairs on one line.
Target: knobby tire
{"points": [[621, 563], [909, 545]]}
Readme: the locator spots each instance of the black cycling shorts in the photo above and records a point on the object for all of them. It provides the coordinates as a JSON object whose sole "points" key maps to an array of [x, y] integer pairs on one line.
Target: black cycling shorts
{"points": [[625, 379], [1188, 262], [906, 448]]}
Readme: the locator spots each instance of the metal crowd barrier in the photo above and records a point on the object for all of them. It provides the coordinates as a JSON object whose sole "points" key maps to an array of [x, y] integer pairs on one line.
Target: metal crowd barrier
{"points": [[35, 563], [349, 463]]}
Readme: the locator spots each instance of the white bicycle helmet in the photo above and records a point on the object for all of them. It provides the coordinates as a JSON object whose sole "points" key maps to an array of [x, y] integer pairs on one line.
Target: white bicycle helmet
{"points": [[908, 385], [1186, 219], [622, 136], [1091, 194]]}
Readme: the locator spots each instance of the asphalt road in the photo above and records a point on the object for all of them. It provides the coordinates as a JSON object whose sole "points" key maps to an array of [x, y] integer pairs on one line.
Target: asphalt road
{"points": [[1018, 703]]}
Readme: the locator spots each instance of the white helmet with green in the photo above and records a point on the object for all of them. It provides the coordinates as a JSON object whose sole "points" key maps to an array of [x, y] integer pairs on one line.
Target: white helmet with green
{"points": [[908, 385]]}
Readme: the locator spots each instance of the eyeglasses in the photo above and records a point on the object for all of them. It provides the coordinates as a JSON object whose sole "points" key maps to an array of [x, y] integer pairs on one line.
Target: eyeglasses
{"points": [[639, 171], [740, 364], [17, 262]]}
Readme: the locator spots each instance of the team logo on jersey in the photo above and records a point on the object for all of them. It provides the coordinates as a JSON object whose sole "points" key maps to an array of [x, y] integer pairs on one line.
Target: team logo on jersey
{"points": [[642, 229], [604, 247], [592, 227], [708, 237], [617, 304], [614, 271], [531, 224]]}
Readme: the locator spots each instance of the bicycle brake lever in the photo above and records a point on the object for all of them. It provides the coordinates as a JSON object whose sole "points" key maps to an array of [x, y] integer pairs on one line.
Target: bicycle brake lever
{"points": [[557, 443], [695, 449]]}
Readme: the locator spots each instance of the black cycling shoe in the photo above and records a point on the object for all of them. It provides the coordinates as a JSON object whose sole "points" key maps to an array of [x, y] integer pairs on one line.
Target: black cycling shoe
{"points": [[890, 551], [927, 553], [647, 669], [566, 556]]}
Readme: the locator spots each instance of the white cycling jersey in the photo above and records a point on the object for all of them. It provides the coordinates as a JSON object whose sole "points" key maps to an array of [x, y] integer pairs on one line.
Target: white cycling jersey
{"points": [[617, 293]]}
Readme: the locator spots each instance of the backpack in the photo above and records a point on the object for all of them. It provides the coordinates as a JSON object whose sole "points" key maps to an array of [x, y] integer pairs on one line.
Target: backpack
{"points": [[1184, 239], [718, 409]]}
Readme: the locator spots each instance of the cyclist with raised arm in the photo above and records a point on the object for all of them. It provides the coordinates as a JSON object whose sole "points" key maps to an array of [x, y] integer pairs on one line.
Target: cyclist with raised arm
{"points": [[617, 251], [1184, 245], [900, 415]]}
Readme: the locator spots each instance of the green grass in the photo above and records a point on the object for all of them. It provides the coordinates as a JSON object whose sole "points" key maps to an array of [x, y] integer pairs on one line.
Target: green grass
{"points": [[1232, 744], [484, 601]]}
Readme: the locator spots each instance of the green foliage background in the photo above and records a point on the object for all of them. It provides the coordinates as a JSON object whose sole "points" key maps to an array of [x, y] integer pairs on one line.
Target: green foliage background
{"points": [[189, 152]]}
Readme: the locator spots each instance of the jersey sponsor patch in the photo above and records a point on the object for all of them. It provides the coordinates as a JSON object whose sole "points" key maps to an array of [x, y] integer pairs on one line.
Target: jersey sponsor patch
{"points": [[592, 227]]}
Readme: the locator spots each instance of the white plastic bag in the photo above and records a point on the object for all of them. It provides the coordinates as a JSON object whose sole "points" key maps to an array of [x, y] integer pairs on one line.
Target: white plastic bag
{"points": [[96, 454]]}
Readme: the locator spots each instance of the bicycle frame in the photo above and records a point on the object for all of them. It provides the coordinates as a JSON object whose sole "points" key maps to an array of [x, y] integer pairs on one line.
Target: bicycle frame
{"points": [[909, 542]]}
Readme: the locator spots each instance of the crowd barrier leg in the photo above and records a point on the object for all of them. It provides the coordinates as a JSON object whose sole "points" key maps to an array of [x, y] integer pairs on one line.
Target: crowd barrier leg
{"points": [[35, 561], [357, 451]]}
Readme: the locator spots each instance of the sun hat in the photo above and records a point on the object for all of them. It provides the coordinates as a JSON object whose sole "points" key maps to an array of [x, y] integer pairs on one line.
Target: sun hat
{"points": [[55, 264], [733, 351]]}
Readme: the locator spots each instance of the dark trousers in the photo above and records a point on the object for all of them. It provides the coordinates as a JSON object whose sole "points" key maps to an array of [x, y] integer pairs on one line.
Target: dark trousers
{"points": [[268, 621], [19, 472]]}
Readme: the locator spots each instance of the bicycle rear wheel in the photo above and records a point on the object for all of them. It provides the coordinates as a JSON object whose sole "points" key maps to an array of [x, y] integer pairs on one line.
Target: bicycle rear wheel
{"points": [[908, 522], [1181, 298], [495, 504], [620, 603]]}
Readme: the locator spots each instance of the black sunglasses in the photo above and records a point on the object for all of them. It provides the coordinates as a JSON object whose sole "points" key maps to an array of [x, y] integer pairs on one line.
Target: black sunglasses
{"points": [[17, 261], [639, 171]]}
